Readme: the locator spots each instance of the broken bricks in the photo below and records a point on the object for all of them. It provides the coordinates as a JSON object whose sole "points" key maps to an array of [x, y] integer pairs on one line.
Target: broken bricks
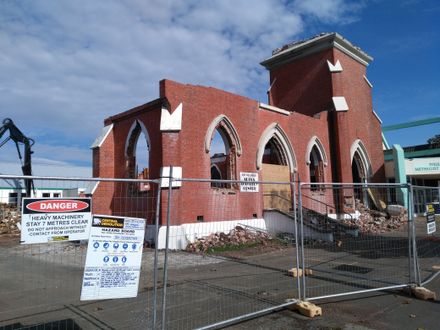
{"points": [[10, 219]]}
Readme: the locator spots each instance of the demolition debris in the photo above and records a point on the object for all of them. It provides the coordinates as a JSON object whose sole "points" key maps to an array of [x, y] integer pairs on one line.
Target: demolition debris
{"points": [[10, 219], [377, 222], [239, 236]]}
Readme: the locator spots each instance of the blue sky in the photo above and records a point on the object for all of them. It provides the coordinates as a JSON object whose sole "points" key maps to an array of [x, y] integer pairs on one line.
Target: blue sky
{"points": [[67, 65]]}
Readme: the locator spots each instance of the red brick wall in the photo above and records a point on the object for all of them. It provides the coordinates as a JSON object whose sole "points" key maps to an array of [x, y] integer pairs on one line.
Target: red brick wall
{"points": [[305, 86], [123, 198], [359, 122], [201, 105]]}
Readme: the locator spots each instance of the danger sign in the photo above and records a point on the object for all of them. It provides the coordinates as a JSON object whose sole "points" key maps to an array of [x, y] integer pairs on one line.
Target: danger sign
{"points": [[55, 219], [63, 205]]}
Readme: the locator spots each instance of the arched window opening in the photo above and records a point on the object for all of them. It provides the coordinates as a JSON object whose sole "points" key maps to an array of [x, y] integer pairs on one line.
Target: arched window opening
{"points": [[138, 157], [273, 153], [357, 169], [215, 173], [359, 174], [361, 171], [316, 169], [222, 154]]}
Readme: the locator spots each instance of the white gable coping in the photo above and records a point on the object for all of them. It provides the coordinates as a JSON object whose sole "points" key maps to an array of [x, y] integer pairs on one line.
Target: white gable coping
{"points": [[268, 107], [377, 116], [105, 131]]}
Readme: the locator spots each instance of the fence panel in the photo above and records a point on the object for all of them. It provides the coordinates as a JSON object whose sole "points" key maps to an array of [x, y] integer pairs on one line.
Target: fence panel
{"points": [[40, 283], [427, 242], [228, 253], [231, 257], [355, 238]]}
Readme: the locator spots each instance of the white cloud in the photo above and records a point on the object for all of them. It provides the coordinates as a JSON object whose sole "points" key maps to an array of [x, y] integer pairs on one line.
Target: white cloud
{"points": [[331, 11], [67, 65]]}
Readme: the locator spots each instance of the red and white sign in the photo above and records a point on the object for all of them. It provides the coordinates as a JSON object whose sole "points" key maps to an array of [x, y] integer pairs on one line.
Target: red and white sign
{"points": [[55, 219], [54, 205]]}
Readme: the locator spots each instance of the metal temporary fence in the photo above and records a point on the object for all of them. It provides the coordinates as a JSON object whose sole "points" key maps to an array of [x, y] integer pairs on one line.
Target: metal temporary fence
{"points": [[427, 239], [183, 283], [355, 238], [217, 252], [230, 261], [40, 284]]}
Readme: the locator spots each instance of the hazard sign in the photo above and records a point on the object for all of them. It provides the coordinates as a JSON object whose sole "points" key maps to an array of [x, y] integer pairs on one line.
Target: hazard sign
{"points": [[113, 262], [55, 219]]}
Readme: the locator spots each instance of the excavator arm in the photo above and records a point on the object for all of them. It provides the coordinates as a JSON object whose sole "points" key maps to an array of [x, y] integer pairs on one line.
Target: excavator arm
{"points": [[19, 138]]}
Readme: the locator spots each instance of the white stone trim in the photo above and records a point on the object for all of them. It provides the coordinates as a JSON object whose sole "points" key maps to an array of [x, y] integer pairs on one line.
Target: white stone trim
{"points": [[314, 141], [345, 50], [171, 121], [130, 132], [275, 130], [358, 146], [268, 107], [105, 131], [95, 187], [334, 68], [368, 82], [340, 103], [377, 116]]}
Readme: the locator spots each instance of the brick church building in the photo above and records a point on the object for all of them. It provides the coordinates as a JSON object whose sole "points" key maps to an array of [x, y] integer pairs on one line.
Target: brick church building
{"points": [[319, 126]]}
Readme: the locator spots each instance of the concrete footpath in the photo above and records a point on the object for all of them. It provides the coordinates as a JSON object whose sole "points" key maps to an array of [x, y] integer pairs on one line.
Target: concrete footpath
{"points": [[382, 310]]}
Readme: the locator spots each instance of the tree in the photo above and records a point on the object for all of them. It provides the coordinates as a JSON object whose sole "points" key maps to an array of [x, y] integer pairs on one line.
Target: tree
{"points": [[434, 140]]}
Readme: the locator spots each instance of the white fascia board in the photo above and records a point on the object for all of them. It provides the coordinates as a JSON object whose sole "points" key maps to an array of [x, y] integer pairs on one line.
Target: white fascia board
{"points": [[268, 107], [340, 103], [105, 131], [343, 49]]}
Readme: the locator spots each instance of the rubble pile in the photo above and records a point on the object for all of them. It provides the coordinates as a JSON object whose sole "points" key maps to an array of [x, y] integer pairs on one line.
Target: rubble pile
{"points": [[236, 237], [377, 222], [10, 219]]}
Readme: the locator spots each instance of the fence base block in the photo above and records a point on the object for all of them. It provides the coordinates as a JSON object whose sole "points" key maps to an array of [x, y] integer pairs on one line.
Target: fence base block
{"points": [[307, 308], [423, 293], [436, 268], [298, 272]]}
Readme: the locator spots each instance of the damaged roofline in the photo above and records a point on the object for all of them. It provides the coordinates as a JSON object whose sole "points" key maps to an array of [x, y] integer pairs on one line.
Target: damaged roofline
{"points": [[156, 104], [322, 42]]}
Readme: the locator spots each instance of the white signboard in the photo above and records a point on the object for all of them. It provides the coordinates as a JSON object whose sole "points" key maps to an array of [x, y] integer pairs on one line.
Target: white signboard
{"points": [[113, 262], [418, 166], [251, 178], [55, 219]]}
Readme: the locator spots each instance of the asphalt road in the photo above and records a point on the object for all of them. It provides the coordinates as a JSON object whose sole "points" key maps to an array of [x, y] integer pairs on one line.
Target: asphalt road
{"points": [[40, 284]]}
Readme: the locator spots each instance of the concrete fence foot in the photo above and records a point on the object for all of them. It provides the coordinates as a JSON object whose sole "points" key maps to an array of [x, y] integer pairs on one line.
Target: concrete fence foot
{"points": [[298, 272], [307, 308], [423, 293]]}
